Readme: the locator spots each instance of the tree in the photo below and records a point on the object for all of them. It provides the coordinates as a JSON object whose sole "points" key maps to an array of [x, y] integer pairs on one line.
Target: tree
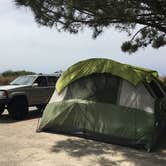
{"points": [[124, 15]]}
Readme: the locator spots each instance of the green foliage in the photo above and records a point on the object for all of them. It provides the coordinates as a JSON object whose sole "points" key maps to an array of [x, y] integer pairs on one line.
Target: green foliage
{"points": [[7, 76], [11, 73], [74, 15], [129, 47]]}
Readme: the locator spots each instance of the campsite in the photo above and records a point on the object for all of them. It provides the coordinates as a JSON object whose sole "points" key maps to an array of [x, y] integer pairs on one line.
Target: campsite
{"points": [[82, 83], [115, 102], [86, 125], [22, 146]]}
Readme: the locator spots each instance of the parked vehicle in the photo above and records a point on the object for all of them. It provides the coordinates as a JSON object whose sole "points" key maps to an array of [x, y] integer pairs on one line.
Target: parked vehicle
{"points": [[25, 91]]}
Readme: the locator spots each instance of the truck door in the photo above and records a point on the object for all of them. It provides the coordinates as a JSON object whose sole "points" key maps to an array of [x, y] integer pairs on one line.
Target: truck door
{"points": [[39, 93]]}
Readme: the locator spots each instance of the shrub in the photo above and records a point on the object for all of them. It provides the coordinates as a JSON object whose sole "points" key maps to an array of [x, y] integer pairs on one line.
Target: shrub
{"points": [[9, 75]]}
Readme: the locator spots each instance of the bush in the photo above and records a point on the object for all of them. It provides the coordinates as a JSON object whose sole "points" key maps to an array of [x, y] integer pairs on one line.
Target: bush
{"points": [[9, 75]]}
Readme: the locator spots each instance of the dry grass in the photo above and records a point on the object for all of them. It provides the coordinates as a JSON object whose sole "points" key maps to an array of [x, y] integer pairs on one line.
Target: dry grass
{"points": [[163, 80], [7, 76], [6, 80]]}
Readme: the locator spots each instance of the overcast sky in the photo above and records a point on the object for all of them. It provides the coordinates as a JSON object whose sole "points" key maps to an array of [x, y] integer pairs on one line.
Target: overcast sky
{"points": [[26, 46]]}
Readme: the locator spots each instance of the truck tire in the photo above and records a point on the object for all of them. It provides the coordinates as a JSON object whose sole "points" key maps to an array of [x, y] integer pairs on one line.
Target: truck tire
{"points": [[18, 108], [2, 108]]}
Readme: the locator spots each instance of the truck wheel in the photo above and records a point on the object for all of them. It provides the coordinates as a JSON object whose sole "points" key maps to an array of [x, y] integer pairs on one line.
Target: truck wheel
{"points": [[2, 108], [18, 108]]}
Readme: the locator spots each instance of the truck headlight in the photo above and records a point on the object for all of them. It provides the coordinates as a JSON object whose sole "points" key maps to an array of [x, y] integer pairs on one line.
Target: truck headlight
{"points": [[3, 94]]}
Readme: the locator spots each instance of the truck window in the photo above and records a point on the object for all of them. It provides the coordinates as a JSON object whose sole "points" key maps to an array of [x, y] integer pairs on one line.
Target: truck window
{"points": [[52, 81], [42, 81]]}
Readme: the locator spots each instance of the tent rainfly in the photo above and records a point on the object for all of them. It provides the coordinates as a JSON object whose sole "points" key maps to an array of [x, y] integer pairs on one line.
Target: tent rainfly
{"points": [[108, 101]]}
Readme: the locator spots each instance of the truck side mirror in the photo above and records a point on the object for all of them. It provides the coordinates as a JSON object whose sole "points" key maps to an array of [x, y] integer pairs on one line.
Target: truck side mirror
{"points": [[35, 85]]}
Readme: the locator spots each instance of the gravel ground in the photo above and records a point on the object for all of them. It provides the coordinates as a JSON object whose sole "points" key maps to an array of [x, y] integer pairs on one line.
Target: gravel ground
{"points": [[20, 145]]}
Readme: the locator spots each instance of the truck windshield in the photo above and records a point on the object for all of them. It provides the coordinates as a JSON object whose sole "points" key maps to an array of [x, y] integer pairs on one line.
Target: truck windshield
{"points": [[23, 80]]}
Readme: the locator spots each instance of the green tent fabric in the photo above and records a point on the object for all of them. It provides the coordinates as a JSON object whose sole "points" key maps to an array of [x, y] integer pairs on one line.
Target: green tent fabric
{"points": [[100, 120], [108, 101], [98, 65]]}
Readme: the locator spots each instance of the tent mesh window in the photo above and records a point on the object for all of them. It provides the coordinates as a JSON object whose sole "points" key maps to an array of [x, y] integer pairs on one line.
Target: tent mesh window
{"points": [[95, 87], [136, 97]]}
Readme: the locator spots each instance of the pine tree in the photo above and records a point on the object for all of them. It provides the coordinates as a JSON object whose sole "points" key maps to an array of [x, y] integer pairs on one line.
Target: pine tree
{"points": [[123, 15]]}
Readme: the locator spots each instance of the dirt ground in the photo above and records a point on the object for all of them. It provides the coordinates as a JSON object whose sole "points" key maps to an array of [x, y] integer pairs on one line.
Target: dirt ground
{"points": [[20, 145]]}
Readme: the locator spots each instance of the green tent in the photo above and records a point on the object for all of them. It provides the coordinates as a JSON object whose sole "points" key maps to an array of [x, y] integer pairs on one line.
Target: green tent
{"points": [[108, 101]]}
